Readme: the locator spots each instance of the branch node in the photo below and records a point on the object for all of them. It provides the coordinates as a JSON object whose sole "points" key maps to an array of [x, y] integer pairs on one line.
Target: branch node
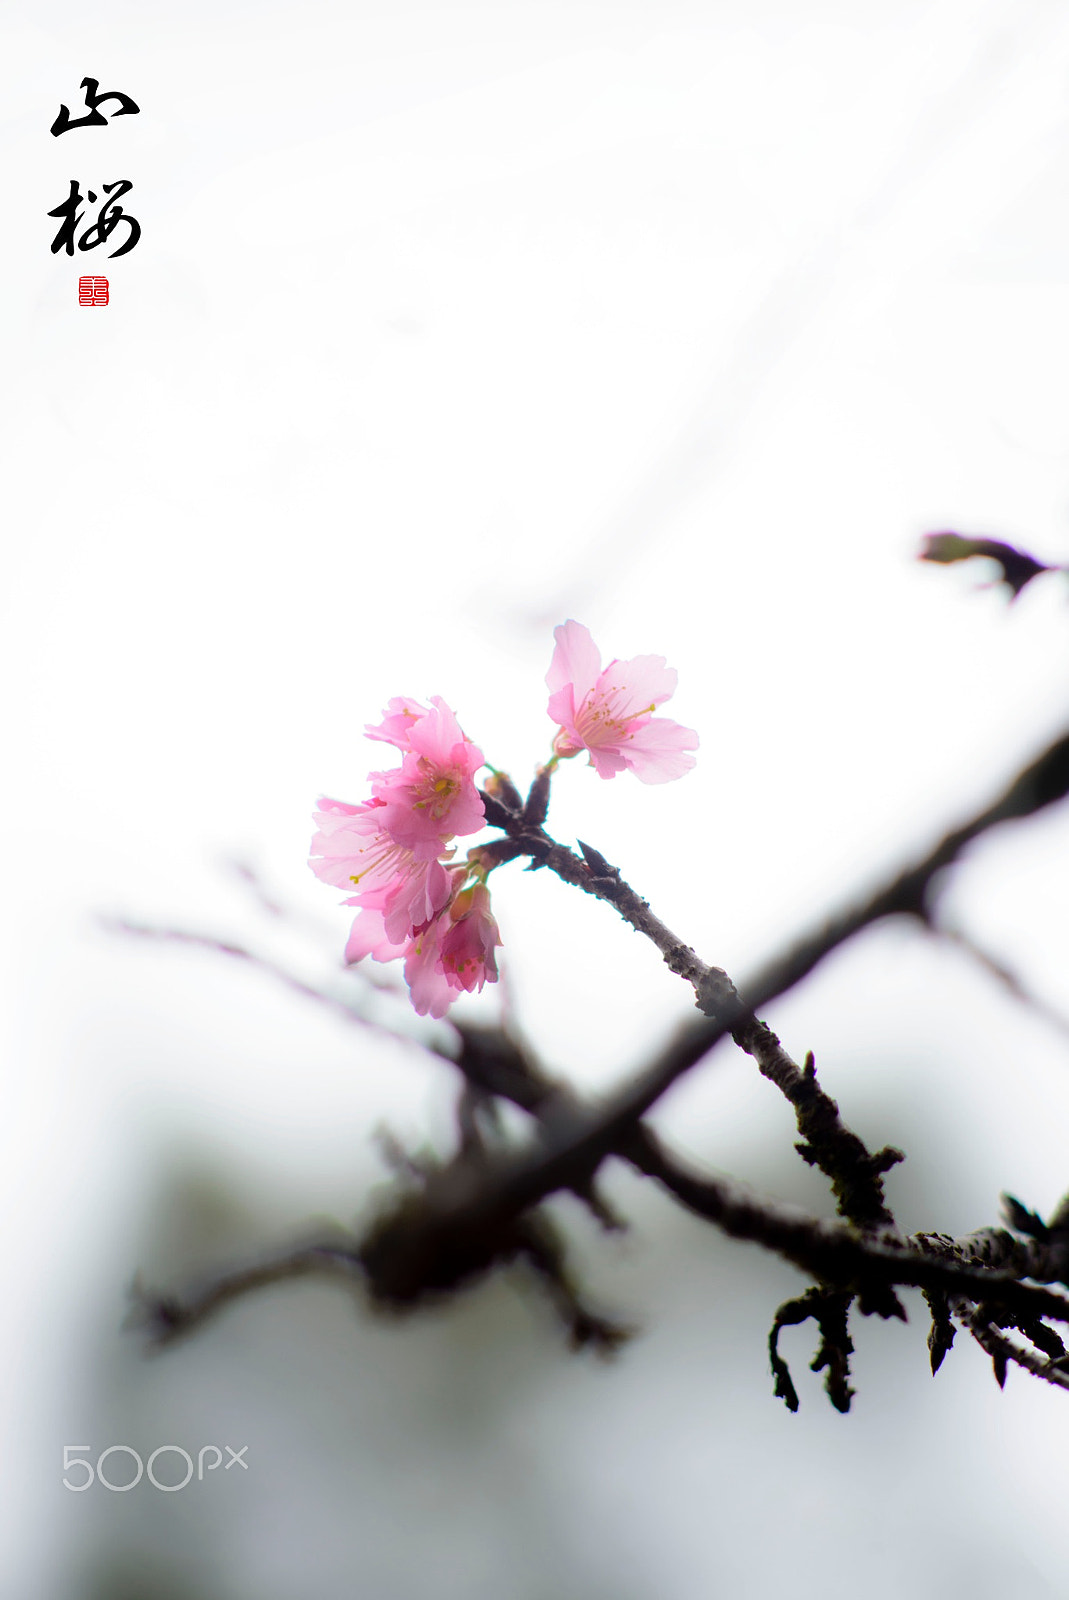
{"points": [[941, 1333], [597, 862], [497, 815], [887, 1158], [537, 803], [880, 1300], [1021, 1220]]}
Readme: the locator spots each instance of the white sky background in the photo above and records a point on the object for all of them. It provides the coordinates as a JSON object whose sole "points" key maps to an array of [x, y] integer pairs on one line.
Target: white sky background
{"points": [[448, 323]]}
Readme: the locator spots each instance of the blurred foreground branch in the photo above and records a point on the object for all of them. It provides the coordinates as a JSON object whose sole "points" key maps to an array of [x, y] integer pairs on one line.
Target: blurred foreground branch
{"points": [[440, 1227]]}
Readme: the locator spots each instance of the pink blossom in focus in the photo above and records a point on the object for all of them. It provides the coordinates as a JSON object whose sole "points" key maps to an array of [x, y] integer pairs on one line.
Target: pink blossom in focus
{"points": [[432, 796], [351, 849], [398, 719], [393, 854], [417, 898], [610, 713], [468, 939], [431, 991], [438, 964], [350, 846], [368, 936], [451, 953]]}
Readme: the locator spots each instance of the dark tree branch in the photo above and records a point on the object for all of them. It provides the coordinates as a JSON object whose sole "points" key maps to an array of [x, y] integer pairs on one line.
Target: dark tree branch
{"points": [[1042, 783], [440, 1234], [1018, 567], [988, 1265], [447, 1225], [166, 1318], [855, 1175], [592, 1137]]}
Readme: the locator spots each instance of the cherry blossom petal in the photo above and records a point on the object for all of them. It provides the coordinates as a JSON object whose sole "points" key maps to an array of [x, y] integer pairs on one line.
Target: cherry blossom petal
{"points": [[398, 720], [431, 991], [576, 661], [657, 752], [368, 938]]}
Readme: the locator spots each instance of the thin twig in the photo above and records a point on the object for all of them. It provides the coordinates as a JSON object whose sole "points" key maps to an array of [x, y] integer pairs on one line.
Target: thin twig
{"points": [[1003, 975], [1003, 1350], [855, 1174], [225, 947], [592, 1137], [168, 1317]]}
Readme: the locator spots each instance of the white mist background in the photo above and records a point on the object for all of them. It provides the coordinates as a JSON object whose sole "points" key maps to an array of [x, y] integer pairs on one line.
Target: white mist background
{"points": [[448, 323]]}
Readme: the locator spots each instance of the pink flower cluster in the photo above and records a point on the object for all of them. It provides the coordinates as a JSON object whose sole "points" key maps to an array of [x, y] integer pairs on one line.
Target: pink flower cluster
{"points": [[610, 713], [395, 849]]}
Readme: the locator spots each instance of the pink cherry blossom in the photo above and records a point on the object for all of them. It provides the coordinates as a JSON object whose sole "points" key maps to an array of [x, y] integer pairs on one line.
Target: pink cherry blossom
{"points": [[432, 796], [351, 849], [468, 939], [398, 719], [454, 952], [350, 845], [428, 985], [609, 713], [394, 851]]}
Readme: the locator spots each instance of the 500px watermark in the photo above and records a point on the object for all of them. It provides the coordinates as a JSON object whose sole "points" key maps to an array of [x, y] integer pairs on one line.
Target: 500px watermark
{"points": [[97, 1474]]}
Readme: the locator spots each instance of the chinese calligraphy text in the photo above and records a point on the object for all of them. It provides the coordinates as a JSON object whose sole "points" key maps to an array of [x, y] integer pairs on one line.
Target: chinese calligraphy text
{"points": [[94, 118], [111, 214]]}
